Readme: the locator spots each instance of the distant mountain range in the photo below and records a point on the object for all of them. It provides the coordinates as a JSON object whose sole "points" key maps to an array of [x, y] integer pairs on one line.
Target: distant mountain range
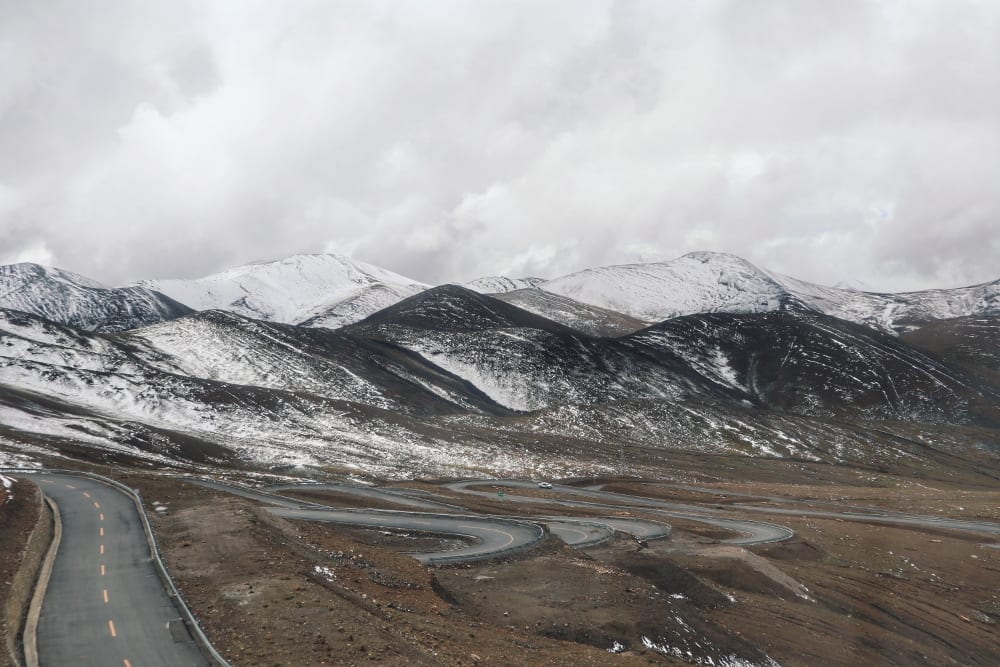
{"points": [[331, 291], [319, 360]]}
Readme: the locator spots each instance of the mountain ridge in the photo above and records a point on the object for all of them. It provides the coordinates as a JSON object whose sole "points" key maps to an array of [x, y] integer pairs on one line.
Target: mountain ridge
{"points": [[78, 301], [331, 291]]}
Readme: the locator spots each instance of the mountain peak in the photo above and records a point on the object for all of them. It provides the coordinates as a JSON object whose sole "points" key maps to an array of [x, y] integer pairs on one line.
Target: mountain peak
{"points": [[453, 307], [694, 283], [289, 290], [706, 256]]}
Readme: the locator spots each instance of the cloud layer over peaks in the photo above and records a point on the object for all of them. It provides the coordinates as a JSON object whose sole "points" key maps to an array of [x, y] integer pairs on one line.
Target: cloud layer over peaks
{"points": [[849, 141]]}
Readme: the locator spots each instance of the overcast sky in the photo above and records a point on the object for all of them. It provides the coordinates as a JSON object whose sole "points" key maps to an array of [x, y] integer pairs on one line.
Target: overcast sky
{"points": [[836, 141]]}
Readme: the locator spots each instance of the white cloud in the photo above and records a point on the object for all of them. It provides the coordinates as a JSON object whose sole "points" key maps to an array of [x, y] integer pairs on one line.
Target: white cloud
{"points": [[446, 140], [34, 251]]}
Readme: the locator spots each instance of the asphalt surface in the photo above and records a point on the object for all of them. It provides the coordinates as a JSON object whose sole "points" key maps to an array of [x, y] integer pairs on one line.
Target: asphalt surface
{"points": [[752, 532], [105, 603], [574, 531], [755, 532], [492, 536]]}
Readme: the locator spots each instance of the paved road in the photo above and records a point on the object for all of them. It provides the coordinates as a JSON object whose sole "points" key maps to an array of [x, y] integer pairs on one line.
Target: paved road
{"points": [[493, 536], [753, 532], [849, 512], [105, 604], [574, 531]]}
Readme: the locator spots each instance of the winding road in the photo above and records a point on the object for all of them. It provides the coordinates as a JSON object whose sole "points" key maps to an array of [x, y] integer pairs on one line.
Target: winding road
{"points": [[752, 532], [492, 535], [105, 603]]}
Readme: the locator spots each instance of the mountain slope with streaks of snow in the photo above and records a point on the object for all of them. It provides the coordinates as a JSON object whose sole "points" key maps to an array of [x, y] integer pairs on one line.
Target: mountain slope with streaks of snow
{"points": [[812, 364], [591, 320], [900, 312], [77, 301]]}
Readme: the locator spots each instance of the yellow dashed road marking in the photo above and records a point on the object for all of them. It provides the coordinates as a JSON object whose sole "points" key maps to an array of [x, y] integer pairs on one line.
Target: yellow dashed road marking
{"points": [[111, 626]]}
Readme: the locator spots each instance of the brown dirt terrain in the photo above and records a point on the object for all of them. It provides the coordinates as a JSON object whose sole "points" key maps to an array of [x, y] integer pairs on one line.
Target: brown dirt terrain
{"points": [[253, 581], [839, 593], [18, 516]]}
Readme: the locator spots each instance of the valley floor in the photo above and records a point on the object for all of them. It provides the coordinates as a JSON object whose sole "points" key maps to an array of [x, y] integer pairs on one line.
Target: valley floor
{"points": [[841, 592]]}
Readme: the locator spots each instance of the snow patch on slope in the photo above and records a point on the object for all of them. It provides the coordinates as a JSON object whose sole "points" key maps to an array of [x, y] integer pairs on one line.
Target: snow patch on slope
{"points": [[694, 283], [289, 291], [359, 304], [501, 284]]}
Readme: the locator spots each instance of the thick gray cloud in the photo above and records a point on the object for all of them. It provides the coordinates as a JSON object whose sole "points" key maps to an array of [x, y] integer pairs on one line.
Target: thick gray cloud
{"points": [[833, 141]]}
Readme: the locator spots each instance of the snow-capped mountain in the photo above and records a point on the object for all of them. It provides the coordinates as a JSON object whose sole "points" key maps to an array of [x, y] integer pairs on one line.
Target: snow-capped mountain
{"points": [[294, 290], [360, 303], [522, 361], [450, 378], [501, 284], [332, 291], [80, 302], [707, 282], [695, 283], [120, 397], [317, 359], [899, 312]]}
